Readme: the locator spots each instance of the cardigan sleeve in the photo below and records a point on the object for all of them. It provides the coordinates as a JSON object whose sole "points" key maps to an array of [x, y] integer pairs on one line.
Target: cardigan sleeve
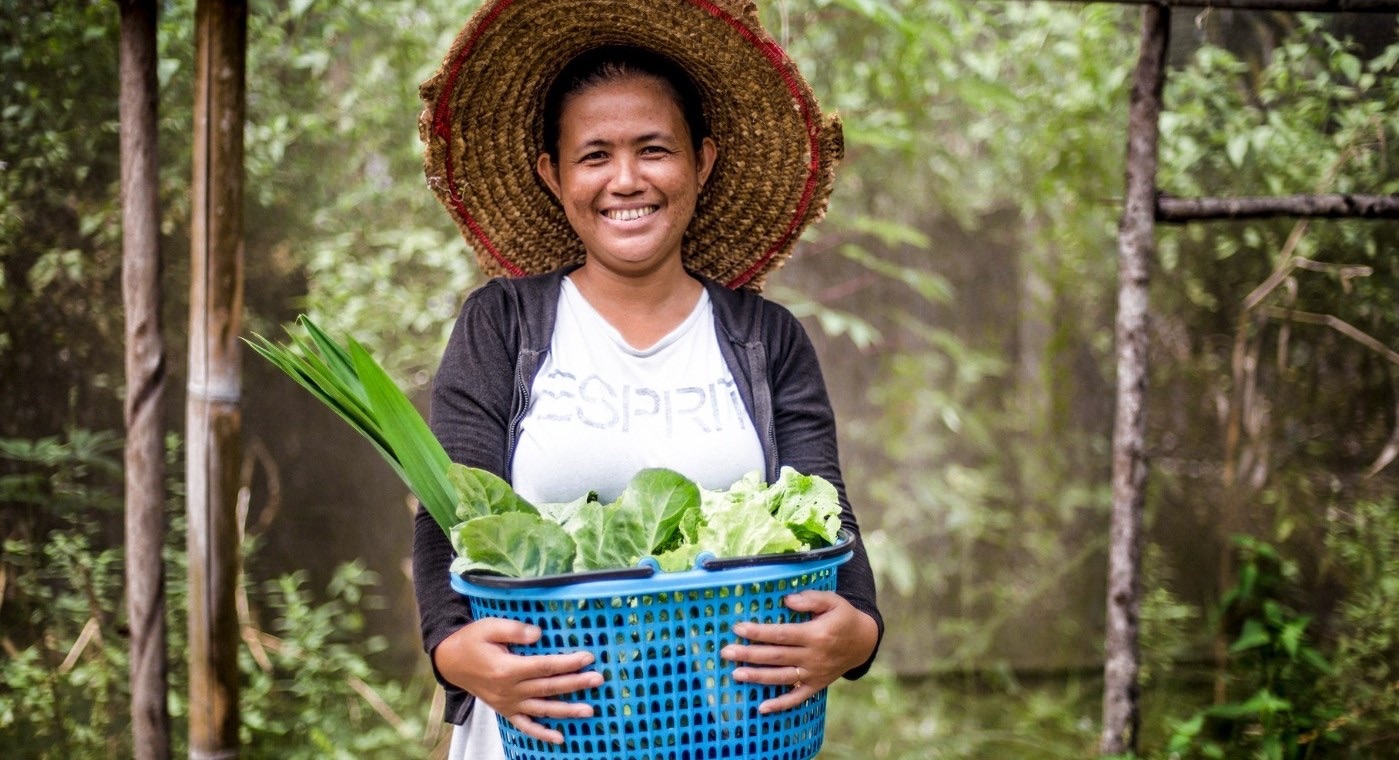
{"points": [[472, 394], [805, 430]]}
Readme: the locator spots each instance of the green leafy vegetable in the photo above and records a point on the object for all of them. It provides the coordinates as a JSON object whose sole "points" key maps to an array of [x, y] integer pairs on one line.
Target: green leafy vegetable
{"points": [[518, 544], [738, 531], [481, 493], [802, 503], [642, 519], [749, 489], [687, 532], [679, 559], [660, 513], [568, 513]]}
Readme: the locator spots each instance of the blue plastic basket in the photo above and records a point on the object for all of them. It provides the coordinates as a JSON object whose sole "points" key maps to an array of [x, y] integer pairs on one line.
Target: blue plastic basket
{"points": [[666, 693]]}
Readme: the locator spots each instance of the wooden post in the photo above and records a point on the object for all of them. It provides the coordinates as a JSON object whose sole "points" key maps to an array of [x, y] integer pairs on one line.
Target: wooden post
{"points": [[1136, 246], [145, 382], [213, 413]]}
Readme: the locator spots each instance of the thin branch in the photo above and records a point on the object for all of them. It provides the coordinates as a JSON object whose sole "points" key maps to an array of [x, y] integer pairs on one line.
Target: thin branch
{"points": [[848, 287], [257, 453], [1335, 323], [1347, 272], [1265, 288], [364, 690], [1295, 6], [434, 732], [379, 706], [1330, 206], [246, 625], [1390, 452], [90, 631]]}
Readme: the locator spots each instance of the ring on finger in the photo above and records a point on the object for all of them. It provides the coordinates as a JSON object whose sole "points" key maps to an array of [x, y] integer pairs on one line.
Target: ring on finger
{"points": [[797, 684]]}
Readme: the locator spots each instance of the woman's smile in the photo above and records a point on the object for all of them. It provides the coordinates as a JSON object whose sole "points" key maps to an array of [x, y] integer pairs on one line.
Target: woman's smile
{"points": [[630, 214]]}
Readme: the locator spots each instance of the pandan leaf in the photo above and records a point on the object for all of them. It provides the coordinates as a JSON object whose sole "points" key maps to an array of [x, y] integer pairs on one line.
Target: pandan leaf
{"points": [[357, 389], [309, 372], [423, 459], [337, 359]]}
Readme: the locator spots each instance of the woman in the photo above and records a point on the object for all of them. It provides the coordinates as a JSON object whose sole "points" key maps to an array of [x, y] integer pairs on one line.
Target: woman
{"points": [[675, 161]]}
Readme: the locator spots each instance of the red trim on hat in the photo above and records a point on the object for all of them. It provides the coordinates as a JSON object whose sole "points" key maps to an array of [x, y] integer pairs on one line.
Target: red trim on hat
{"points": [[441, 125], [770, 50]]}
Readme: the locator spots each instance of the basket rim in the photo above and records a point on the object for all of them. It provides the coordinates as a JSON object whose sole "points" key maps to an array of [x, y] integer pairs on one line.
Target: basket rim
{"points": [[628, 580]]}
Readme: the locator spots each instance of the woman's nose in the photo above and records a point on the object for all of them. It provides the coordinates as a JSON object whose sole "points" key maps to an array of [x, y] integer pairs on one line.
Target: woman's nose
{"points": [[626, 177]]}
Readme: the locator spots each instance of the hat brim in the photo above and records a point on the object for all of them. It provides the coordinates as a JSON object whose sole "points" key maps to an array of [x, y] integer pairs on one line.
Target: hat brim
{"points": [[482, 129]]}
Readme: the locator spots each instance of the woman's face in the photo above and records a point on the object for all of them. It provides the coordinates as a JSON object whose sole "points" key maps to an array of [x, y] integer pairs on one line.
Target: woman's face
{"points": [[627, 174]]}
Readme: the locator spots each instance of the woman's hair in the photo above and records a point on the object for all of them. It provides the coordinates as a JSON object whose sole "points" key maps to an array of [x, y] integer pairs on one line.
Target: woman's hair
{"points": [[614, 63]]}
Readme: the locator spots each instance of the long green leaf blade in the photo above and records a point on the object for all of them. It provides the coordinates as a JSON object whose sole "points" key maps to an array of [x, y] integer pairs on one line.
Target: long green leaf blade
{"points": [[336, 357], [424, 461], [310, 373]]}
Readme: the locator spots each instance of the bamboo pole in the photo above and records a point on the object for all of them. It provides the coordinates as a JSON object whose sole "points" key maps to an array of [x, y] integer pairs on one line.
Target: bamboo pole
{"points": [[1136, 246], [1329, 206], [145, 382], [213, 412]]}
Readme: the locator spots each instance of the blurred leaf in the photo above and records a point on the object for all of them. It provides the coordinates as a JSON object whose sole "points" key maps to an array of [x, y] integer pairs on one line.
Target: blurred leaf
{"points": [[1253, 635]]}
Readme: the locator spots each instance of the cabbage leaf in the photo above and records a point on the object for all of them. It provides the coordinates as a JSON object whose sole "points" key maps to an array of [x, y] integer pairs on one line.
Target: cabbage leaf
{"points": [[517, 544], [643, 519]]}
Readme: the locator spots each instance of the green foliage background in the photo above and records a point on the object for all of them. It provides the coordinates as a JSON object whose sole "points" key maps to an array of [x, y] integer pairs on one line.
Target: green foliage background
{"points": [[961, 292]]}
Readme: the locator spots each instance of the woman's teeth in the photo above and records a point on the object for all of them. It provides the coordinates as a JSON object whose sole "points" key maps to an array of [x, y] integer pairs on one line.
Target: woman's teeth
{"points": [[628, 214]]}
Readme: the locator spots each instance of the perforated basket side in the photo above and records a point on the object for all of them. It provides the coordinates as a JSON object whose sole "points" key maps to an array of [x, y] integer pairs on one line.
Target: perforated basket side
{"points": [[666, 693]]}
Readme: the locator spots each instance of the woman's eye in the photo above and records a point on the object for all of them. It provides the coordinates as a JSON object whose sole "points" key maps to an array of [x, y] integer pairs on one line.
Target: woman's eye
{"points": [[592, 158], [655, 150]]}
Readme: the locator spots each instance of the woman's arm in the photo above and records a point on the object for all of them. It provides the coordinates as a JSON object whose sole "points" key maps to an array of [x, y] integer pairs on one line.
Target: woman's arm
{"points": [[469, 412], [473, 397], [843, 634]]}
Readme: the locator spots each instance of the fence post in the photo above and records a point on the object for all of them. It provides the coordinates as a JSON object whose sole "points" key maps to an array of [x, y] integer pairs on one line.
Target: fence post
{"points": [[214, 423]]}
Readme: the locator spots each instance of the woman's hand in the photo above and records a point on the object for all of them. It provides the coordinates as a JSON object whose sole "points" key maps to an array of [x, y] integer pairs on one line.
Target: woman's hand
{"points": [[477, 659], [805, 656]]}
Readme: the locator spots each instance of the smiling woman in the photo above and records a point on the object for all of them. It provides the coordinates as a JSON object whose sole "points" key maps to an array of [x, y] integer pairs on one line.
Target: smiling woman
{"points": [[635, 168]]}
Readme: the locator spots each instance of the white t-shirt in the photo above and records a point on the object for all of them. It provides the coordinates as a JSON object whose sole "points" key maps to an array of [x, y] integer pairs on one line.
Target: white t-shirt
{"points": [[600, 409]]}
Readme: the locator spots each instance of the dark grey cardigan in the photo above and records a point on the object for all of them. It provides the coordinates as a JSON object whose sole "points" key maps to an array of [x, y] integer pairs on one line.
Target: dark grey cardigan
{"points": [[481, 392]]}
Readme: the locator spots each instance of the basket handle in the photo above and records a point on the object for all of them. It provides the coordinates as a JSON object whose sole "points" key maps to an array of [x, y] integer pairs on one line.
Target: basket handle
{"points": [[844, 543]]}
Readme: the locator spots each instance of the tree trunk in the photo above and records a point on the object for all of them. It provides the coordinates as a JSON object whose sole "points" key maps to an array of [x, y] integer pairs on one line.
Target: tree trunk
{"points": [[1136, 245], [145, 382], [214, 421]]}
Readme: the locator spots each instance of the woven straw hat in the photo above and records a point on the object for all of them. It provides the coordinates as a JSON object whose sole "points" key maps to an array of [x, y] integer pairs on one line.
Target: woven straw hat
{"points": [[483, 130]]}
